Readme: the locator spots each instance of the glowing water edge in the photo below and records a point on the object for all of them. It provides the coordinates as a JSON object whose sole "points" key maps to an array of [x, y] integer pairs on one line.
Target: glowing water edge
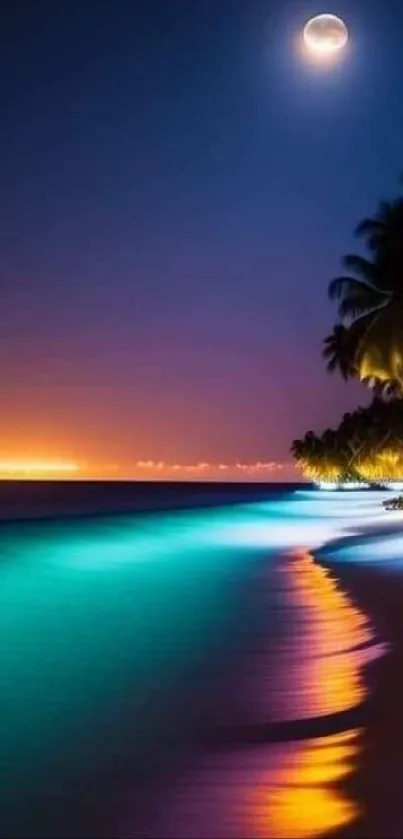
{"points": [[182, 674]]}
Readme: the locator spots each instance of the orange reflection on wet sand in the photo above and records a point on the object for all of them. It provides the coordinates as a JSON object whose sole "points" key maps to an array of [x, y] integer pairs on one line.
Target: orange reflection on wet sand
{"points": [[302, 683], [303, 798], [330, 608], [327, 645]]}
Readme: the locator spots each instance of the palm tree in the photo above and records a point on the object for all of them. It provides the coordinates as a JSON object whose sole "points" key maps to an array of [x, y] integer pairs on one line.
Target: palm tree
{"points": [[389, 389], [370, 297], [320, 458], [339, 351], [367, 445]]}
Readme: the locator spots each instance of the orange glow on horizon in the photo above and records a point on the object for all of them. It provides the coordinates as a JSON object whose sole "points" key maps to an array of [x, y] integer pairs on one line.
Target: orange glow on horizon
{"points": [[37, 468], [40, 466]]}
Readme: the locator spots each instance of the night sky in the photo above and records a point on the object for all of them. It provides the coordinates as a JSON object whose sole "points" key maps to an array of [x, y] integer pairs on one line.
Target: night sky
{"points": [[178, 185]]}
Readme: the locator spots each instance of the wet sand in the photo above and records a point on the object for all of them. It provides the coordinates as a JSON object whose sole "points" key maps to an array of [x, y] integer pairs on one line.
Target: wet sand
{"points": [[209, 677], [377, 783], [287, 757], [334, 773]]}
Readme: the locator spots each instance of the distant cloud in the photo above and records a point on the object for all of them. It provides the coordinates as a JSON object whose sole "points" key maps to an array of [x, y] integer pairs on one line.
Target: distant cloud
{"points": [[145, 470], [204, 469]]}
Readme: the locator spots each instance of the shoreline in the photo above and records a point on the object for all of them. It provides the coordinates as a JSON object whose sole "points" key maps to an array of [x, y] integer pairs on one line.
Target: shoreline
{"points": [[375, 783]]}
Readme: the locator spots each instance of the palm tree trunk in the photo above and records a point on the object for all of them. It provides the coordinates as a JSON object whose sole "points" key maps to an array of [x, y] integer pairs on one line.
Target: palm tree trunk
{"points": [[355, 454], [382, 443]]}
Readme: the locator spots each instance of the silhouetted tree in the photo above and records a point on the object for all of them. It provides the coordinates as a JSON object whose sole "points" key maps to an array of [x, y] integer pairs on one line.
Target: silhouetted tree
{"points": [[370, 302]]}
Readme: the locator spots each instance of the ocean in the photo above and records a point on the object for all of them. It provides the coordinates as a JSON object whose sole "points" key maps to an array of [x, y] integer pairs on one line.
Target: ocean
{"points": [[190, 671]]}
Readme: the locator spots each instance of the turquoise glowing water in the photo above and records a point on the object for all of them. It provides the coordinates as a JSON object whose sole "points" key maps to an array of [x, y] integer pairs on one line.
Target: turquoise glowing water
{"points": [[118, 637]]}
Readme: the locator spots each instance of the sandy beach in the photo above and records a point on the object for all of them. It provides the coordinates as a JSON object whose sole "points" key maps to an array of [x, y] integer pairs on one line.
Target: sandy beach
{"points": [[212, 675], [376, 784]]}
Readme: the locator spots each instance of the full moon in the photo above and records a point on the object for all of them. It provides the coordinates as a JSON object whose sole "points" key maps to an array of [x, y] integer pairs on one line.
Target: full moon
{"points": [[325, 36]]}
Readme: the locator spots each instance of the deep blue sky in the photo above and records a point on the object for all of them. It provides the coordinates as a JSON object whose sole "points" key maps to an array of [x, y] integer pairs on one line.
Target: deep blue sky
{"points": [[177, 188]]}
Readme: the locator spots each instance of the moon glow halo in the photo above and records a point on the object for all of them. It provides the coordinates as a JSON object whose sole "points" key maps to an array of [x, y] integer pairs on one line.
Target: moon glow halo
{"points": [[325, 36]]}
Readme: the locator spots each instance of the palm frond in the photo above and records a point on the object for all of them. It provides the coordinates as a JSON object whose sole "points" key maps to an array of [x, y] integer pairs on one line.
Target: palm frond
{"points": [[332, 362], [364, 268], [369, 227], [356, 305], [339, 351], [370, 305], [381, 347], [340, 287]]}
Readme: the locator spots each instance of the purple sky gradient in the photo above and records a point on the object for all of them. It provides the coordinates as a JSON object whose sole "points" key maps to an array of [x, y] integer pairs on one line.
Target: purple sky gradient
{"points": [[177, 190]]}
